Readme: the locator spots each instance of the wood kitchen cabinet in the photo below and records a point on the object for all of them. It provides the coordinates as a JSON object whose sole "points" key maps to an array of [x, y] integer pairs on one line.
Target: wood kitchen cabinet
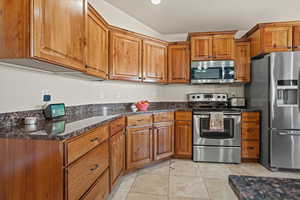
{"points": [[163, 140], [51, 31], [60, 169], [117, 150], [250, 136], [223, 47], [97, 44], [277, 38], [139, 147], [155, 61], [163, 131], [117, 146], [242, 61], [201, 47], [212, 45], [179, 62], [296, 38], [274, 37], [139, 141], [125, 56], [183, 134]]}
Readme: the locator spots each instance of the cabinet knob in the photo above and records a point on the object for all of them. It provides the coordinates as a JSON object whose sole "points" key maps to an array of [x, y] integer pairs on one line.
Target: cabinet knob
{"points": [[94, 168], [95, 139], [289, 47]]}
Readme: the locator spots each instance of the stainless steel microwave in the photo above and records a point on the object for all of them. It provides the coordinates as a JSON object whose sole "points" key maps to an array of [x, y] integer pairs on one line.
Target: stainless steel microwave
{"points": [[212, 72]]}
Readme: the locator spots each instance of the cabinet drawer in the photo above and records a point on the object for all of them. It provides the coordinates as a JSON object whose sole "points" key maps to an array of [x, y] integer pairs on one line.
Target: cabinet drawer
{"points": [[250, 149], [117, 125], [85, 171], [250, 133], [79, 146], [183, 115], [163, 117], [250, 117], [100, 189], [139, 120]]}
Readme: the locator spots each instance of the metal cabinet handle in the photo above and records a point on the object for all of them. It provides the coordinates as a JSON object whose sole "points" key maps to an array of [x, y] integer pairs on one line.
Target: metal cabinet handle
{"points": [[94, 168], [94, 139], [250, 148]]}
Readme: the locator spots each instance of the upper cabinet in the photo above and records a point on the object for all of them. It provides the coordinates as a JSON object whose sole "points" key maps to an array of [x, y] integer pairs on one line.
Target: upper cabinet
{"points": [[52, 31], [296, 38], [155, 61], [242, 61], [97, 44], [223, 47], [179, 62], [59, 31], [277, 38], [201, 47], [125, 56], [274, 37], [212, 45]]}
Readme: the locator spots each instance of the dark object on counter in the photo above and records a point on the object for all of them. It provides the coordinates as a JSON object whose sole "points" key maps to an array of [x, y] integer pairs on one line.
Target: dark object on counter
{"points": [[53, 111], [265, 188]]}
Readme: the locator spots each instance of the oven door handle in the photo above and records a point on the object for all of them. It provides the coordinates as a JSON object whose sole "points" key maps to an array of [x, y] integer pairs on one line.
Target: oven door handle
{"points": [[225, 116]]}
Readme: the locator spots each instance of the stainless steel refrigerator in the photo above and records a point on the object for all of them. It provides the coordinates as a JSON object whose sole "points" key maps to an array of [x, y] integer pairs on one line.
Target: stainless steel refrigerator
{"points": [[275, 91]]}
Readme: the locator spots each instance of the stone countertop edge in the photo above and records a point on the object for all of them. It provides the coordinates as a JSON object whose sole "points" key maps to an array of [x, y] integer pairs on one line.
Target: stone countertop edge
{"points": [[19, 133], [264, 188]]}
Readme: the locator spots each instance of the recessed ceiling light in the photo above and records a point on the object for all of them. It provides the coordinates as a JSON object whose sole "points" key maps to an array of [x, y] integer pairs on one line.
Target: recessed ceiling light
{"points": [[155, 2]]}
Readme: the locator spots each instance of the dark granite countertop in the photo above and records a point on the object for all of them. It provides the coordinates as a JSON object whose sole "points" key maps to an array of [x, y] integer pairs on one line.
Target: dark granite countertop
{"points": [[66, 128], [265, 188], [71, 126]]}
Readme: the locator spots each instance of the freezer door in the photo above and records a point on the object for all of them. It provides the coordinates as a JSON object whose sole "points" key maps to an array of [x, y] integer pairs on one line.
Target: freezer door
{"points": [[285, 149], [284, 90]]}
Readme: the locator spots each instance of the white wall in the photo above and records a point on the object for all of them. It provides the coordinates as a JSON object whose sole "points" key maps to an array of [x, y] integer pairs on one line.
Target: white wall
{"points": [[21, 89]]}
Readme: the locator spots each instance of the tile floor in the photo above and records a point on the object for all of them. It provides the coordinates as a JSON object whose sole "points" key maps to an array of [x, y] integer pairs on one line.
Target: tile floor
{"points": [[185, 180]]}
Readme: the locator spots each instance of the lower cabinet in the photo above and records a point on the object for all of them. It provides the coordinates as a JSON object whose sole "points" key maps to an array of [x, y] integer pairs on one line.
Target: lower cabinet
{"points": [[117, 150], [163, 140], [139, 146], [146, 141], [250, 136], [100, 190], [183, 139], [83, 173]]}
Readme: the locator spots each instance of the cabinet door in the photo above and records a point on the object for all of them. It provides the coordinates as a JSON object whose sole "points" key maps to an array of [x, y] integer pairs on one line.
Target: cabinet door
{"points": [[97, 45], [125, 57], [296, 38], [117, 166], [201, 48], [242, 62], [277, 38], [154, 62], [183, 139], [139, 147], [179, 63], [59, 32], [163, 140], [223, 46]]}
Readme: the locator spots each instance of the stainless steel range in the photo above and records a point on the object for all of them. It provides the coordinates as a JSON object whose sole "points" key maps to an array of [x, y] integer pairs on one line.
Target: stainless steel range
{"points": [[211, 143]]}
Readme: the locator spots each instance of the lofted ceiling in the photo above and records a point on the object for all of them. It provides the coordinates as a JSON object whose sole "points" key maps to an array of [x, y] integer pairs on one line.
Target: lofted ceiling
{"points": [[182, 16]]}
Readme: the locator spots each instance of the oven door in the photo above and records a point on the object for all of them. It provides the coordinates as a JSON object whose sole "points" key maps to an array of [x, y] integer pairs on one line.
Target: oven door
{"points": [[230, 137]]}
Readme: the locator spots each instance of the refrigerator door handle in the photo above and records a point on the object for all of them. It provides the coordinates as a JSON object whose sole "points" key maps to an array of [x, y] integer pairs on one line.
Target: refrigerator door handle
{"points": [[298, 91]]}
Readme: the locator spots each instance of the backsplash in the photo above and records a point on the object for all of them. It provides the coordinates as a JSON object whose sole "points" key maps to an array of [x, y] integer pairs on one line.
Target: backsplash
{"points": [[90, 110]]}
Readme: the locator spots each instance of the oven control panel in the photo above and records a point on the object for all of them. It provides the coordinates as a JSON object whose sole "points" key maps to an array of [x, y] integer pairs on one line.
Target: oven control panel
{"points": [[208, 97]]}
